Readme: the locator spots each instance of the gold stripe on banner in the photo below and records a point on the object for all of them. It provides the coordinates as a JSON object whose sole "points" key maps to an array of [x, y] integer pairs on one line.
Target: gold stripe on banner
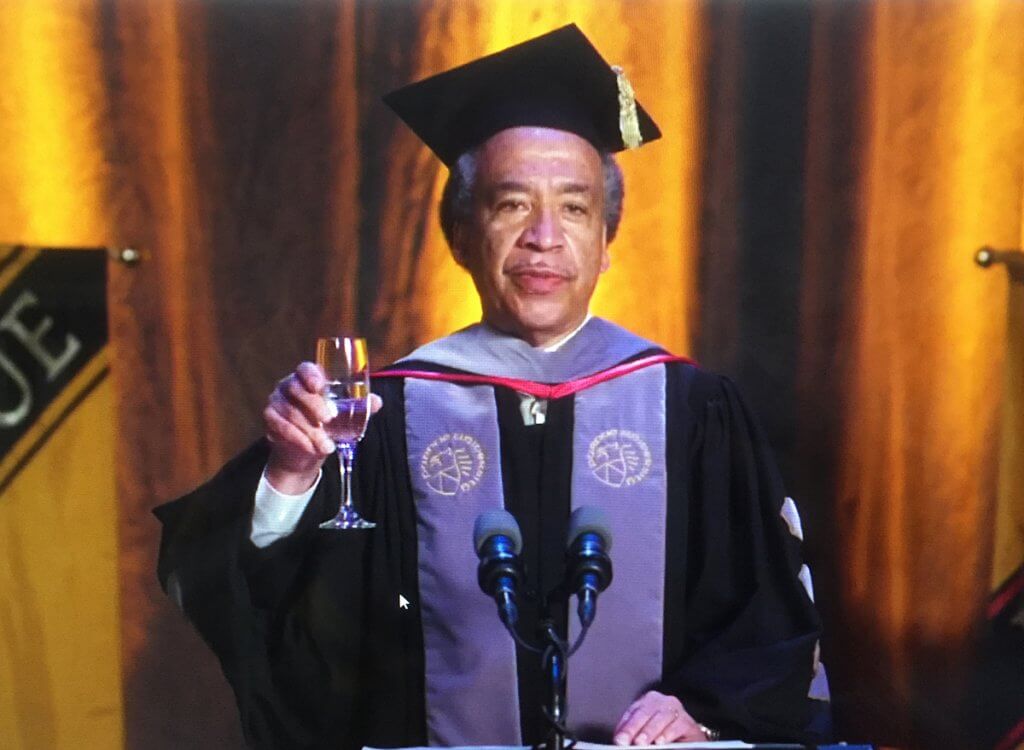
{"points": [[13, 262], [59, 621]]}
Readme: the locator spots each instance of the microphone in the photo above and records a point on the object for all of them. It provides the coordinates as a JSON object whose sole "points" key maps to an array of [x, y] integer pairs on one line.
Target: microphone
{"points": [[588, 565], [497, 541]]}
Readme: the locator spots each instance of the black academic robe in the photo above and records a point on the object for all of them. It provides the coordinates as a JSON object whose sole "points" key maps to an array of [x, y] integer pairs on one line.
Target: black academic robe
{"points": [[310, 634]]}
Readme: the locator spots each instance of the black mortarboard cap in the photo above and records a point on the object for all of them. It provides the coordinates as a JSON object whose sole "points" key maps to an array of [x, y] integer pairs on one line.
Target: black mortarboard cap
{"points": [[557, 80]]}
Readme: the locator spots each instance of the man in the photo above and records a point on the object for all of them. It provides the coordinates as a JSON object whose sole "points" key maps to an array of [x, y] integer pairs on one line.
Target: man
{"points": [[382, 637]]}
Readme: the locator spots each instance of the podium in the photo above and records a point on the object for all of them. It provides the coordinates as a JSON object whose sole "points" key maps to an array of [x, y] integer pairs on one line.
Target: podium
{"points": [[718, 745]]}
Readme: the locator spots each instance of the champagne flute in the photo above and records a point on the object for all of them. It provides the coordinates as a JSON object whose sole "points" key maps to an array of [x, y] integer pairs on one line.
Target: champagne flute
{"points": [[343, 360]]}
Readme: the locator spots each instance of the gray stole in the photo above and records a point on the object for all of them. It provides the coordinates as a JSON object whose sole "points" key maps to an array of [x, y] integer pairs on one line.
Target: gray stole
{"points": [[618, 464]]}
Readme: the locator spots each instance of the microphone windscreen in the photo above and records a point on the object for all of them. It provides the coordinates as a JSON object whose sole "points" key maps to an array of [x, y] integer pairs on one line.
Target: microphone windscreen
{"points": [[589, 519], [494, 522]]}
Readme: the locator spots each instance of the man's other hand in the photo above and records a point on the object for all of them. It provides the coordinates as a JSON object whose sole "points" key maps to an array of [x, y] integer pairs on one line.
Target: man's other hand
{"points": [[656, 719], [293, 420]]}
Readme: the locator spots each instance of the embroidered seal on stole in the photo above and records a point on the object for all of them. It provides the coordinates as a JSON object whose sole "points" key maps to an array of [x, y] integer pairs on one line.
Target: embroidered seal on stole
{"points": [[453, 463], [619, 458]]}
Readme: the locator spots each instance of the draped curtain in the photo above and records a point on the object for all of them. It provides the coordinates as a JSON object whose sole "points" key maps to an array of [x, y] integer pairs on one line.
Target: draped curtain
{"points": [[806, 226]]}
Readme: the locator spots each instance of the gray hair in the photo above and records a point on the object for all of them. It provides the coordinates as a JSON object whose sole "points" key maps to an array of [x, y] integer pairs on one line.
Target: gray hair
{"points": [[457, 199]]}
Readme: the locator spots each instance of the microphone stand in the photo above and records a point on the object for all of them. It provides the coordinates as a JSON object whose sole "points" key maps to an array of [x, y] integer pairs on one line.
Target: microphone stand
{"points": [[555, 655], [595, 575], [555, 665]]}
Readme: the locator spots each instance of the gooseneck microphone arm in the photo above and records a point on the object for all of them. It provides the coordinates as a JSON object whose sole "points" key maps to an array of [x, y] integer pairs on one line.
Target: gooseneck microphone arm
{"points": [[555, 662]]}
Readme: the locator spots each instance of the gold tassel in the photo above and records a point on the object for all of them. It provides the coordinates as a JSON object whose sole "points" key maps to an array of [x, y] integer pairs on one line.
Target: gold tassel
{"points": [[629, 123]]}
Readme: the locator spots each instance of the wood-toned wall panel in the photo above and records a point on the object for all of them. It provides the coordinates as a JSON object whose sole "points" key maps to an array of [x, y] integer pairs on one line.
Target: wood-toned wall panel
{"points": [[236, 162], [924, 368], [833, 226], [413, 261], [1008, 536], [166, 363], [654, 257], [750, 271]]}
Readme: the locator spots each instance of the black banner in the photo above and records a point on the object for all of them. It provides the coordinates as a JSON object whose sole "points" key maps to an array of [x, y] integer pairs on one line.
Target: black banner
{"points": [[53, 334]]}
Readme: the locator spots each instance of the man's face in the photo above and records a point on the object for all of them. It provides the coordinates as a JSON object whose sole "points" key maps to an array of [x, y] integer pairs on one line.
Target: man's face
{"points": [[536, 244]]}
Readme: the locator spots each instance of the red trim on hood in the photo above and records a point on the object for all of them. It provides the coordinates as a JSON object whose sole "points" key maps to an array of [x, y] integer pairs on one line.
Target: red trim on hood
{"points": [[539, 390]]}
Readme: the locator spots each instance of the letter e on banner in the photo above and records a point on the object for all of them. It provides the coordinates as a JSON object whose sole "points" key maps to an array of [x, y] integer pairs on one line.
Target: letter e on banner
{"points": [[53, 335], [32, 339]]}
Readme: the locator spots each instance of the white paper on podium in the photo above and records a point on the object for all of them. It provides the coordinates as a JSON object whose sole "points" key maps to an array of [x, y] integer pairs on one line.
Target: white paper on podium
{"points": [[719, 745]]}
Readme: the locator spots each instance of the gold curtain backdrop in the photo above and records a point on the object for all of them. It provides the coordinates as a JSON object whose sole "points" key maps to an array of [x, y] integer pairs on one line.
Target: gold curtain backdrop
{"points": [[806, 225]]}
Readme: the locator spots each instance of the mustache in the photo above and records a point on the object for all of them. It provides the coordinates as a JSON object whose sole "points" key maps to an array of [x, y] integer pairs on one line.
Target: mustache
{"points": [[540, 269]]}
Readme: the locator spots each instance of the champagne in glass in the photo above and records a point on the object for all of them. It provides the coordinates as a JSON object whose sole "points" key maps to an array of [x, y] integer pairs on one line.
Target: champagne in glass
{"points": [[346, 366], [352, 403]]}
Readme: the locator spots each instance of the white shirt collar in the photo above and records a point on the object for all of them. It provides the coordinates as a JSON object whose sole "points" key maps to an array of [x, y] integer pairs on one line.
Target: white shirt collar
{"points": [[565, 339]]}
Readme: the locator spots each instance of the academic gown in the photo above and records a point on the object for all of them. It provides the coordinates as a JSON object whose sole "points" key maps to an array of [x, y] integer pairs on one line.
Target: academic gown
{"points": [[320, 636]]}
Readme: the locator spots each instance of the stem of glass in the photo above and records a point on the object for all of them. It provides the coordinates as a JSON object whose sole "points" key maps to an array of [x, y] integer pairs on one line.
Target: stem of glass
{"points": [[346, 457]]}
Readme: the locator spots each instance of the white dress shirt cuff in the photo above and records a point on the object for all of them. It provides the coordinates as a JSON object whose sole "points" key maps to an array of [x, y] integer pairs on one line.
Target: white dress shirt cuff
{"points": [[275, 514]]}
